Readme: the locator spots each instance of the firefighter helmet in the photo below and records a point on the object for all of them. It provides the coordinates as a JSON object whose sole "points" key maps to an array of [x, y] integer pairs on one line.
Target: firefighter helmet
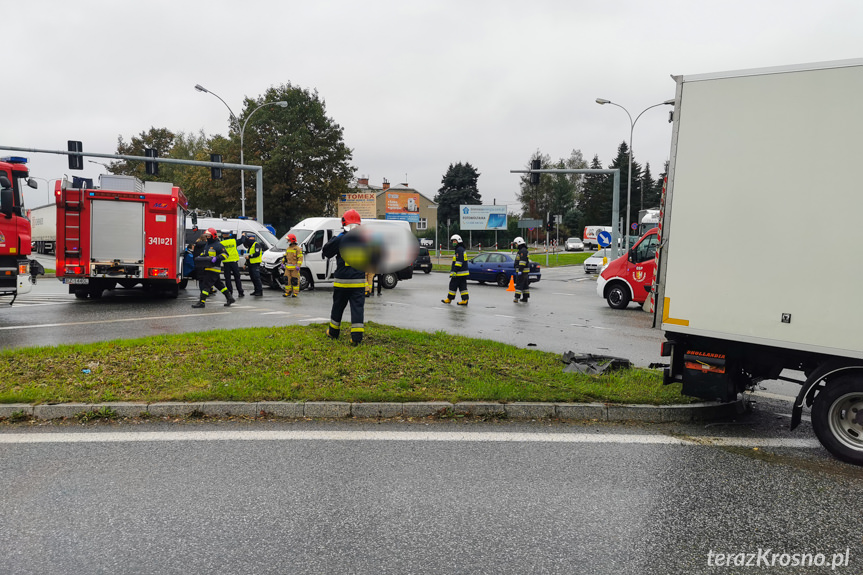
{"points": [[456, 238], [211, 231], [519, 241], [351, 217], [292, 238]]}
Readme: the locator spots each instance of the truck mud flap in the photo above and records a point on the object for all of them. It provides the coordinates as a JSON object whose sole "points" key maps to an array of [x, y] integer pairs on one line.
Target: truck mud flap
{"points": [[705, 375]]}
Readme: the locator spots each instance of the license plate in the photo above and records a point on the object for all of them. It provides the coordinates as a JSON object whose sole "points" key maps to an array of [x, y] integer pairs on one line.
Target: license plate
{"points": [[76, 281]]}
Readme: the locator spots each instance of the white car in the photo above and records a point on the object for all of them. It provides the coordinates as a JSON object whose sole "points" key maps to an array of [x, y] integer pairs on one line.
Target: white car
{"points": [[593, 264], [574, 245]]}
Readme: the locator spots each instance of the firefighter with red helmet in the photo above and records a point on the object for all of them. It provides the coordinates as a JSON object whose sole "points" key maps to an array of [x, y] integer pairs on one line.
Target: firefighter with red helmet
{"points": [[458, 273], [293, 263], [210, 265], [349, 285]]}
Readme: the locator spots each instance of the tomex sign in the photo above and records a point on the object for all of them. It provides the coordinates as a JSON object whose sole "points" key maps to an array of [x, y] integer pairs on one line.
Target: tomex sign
{"points": [[473, 217]]}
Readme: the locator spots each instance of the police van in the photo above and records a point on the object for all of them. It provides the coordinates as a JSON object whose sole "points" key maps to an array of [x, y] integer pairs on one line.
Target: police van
{"points": [[313, 233]]}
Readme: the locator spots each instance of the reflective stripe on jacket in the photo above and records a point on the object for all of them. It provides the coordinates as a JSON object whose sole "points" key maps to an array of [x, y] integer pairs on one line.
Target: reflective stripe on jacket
{"points": [[293, 257], [215, 249], [255, 254], [231, 247], [345, 276], [459, 266], [522, 261]]}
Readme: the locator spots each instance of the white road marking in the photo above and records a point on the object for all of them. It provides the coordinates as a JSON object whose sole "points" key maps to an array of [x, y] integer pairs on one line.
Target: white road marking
{"points": [[103, 321], [424, 436], [506, 316], [589, 326]]}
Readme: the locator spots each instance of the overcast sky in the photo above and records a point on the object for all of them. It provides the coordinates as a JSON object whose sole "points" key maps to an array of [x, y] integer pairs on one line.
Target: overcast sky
{"points": [[415, 85]]}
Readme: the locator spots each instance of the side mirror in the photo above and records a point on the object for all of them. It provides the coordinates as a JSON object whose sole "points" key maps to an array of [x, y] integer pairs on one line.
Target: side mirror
{"points": [[33, 184], [631, 256], [4, 182], [7, 198], [194, 220]]}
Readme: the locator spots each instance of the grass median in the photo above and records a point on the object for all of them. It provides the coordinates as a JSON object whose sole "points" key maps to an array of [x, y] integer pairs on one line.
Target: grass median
{"points": [[298, 363]]}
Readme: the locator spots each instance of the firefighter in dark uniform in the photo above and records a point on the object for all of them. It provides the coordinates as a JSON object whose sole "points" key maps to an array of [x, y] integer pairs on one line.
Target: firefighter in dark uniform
{"points": [[522, 267], [458, 273], [231, 264], [349, 285], [209, 266], [254, 256]]}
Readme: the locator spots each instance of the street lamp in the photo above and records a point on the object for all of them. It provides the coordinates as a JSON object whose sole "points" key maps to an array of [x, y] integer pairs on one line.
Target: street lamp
{"points": [[242, 130], [283, 104], [107, 167], [603, 101], [47, 184], [200, 88]]}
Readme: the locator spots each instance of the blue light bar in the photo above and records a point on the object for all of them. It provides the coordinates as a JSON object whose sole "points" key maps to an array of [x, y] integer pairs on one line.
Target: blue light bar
{"points": [[14, 159]]}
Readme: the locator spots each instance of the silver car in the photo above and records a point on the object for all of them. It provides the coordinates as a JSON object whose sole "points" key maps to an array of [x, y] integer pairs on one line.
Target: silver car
{"points": [[574, 245], [593, 264]]}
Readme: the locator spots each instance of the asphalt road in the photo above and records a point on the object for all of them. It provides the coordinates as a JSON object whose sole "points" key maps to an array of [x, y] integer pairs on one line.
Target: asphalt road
{"points": [[564, 314], [423, 497]]}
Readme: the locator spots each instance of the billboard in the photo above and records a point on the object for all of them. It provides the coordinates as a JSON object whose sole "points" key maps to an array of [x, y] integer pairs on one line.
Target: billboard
{"points": [[362, 202], [403, 206], [473, 217]]}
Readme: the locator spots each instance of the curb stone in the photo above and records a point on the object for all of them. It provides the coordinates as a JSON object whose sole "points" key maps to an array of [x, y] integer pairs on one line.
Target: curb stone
{"points": [[342, 409]]}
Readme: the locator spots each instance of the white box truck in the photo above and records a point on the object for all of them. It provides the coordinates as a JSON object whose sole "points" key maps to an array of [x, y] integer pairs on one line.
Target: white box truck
{"points": [[43, 224], [761, 155]]}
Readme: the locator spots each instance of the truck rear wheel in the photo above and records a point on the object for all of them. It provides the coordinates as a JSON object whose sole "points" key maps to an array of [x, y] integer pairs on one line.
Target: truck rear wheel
{"points": [[837, 417], [617, 296]]}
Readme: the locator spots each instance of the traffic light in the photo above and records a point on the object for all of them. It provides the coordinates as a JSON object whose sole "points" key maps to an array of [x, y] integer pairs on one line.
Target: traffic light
{"points": [[549, 226], [152, 168], [75, 162], [215, 172], [534, 177]]}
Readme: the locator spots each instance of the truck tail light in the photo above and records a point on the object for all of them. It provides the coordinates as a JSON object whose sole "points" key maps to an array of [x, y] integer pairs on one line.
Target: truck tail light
{"points": [[23, 269], [74, 270], [157, 272]]}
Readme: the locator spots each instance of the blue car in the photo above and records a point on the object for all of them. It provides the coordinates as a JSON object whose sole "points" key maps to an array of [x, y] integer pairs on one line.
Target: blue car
{"points": [[497, 267]]}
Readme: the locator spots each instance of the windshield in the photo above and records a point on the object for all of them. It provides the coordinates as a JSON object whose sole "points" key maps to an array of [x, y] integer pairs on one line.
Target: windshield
{"points": [[267, 236], [283, 243]]}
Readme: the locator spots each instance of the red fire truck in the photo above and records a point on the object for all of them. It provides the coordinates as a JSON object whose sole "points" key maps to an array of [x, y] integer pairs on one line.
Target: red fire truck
{"points": [[126, 232], [15, 275]]}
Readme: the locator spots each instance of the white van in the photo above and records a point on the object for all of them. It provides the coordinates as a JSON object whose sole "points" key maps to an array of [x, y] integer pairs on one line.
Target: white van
{"points": [[590, 233], [312, 234]]}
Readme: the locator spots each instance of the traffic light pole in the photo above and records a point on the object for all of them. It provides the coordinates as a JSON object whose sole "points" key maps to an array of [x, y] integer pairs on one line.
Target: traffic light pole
{"points": [[615, 205], [259, 170]]}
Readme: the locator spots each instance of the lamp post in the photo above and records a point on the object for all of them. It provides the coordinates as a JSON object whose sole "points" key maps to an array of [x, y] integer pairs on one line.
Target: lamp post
{"points": [[242, 131], [47, 184], [283, 104], [603, 101], [107, 167]]}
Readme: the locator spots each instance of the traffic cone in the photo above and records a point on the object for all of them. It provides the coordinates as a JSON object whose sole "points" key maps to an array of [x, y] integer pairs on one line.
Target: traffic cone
{"points": [[511, 284]]}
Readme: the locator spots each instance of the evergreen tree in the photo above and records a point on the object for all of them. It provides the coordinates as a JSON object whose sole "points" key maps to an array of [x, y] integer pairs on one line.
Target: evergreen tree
{"points": [[596, 197], [458, 187]]}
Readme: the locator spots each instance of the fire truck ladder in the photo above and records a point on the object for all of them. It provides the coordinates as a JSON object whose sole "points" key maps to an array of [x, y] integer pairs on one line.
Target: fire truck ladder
{"points": [[72, 222]]}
